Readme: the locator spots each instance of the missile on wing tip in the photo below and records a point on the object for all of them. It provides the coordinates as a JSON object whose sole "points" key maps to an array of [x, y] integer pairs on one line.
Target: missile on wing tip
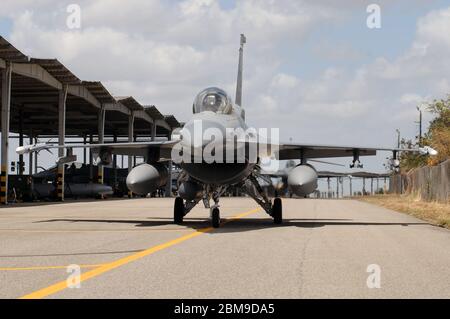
{"points": [[23, 149], [427, 150], [31, 148]]}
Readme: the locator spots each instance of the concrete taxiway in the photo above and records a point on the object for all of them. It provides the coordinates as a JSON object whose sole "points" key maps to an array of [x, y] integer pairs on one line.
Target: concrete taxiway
{"points": [[131, 249]]}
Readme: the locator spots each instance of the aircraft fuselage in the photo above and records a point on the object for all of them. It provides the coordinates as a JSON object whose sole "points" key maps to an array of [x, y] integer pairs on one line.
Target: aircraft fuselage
{"points": [[214, 133]]}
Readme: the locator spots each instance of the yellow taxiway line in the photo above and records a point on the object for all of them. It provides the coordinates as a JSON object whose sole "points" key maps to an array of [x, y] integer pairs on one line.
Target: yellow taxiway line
{"points": [[50, 290], [45, 267]]}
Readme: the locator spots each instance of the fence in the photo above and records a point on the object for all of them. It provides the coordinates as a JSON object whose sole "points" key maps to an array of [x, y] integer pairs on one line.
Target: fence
{"points": [[428, 183]]}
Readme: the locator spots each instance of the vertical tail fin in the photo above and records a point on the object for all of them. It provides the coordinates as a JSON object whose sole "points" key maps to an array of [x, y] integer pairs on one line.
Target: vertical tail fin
{"points": [[238, 99]]}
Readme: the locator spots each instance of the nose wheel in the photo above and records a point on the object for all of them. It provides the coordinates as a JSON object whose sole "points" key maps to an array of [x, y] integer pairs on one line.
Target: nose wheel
{"points": [[178, 210], [215, 217], [277, 211]]}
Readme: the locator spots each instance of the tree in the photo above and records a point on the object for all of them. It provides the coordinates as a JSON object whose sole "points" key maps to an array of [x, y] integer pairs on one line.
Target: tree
{"points": [[409, 160], [437, 136]]}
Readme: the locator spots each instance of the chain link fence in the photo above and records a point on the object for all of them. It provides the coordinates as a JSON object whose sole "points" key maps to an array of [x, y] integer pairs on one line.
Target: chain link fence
{"points": [[427, 183]]}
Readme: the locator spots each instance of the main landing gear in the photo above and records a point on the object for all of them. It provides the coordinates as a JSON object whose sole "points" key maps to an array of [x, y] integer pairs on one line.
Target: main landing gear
{"points": [[215, 217], [255, 191], [277, 211], [178, 210]]}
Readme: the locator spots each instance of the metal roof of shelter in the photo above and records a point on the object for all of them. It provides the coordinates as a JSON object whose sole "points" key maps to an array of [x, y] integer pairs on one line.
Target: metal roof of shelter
{"points": [[57, 70], [35, 88], [99, 91], [153, 112], [172, 121], [9, 53], [129, 102]]}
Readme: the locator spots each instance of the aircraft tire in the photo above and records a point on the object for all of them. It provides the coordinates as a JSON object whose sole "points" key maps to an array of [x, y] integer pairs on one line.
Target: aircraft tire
{"points": [[277, 211], [178, 210], [215, 217]]}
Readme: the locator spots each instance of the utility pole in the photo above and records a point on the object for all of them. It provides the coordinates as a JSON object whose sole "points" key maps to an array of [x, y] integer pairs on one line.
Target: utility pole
{"points": [[420, 125], [398, 138]]}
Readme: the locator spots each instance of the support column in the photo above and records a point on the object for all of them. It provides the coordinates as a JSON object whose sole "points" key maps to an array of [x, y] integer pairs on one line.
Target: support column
{"points": [[337, 187], [130, 139], [6, 113], [61, 136], [101, 137], [84, 150], [329, 188], [20, 169], [115, 164], [134, 157], [30, 156], [30, 166], [154, 130], [169, 178], [364, 187], [36, 156], [351, 189], [371, 186], [91, 160]]}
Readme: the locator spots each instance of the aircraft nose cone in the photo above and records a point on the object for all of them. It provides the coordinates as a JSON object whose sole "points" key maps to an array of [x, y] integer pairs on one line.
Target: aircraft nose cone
{"points": [[199, 133]]}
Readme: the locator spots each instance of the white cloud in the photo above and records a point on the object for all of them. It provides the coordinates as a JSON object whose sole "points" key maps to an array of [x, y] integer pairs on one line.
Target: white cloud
{"points": [[164, 52], [411, 98], [282, 81]]}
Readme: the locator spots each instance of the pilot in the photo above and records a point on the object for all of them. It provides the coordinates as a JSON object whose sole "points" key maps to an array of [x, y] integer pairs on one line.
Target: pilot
{"points": [[213, 100]]}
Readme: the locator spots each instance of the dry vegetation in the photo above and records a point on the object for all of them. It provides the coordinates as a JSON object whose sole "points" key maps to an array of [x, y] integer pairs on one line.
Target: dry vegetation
{"points": [[433, 212]]}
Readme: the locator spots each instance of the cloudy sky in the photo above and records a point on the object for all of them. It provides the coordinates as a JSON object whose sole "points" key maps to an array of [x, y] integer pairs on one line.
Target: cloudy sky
{"points": [[312, 68]]}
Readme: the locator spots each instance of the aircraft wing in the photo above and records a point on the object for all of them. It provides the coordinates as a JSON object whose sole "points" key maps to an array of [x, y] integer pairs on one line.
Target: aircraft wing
{"points": [[326, 174], [288, 151], [284, 151], [161, 148]]}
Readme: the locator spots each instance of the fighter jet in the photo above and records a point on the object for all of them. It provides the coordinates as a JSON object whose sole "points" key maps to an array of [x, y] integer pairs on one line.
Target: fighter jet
{"points": [[235, 152]]}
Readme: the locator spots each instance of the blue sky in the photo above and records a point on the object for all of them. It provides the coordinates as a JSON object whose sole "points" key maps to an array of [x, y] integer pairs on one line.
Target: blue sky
{"points": [[395, 36], [5, 26]]}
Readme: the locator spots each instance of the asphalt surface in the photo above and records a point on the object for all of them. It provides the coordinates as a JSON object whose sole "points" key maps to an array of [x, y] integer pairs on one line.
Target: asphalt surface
{"points": [[131, 249]]}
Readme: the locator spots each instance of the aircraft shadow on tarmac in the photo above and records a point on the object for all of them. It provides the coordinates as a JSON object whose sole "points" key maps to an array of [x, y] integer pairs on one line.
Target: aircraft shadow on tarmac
{"points": [[239, 225]]}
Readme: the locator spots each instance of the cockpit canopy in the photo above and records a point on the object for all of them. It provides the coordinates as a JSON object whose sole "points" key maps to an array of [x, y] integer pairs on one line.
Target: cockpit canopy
{"points": [[213, 99]]}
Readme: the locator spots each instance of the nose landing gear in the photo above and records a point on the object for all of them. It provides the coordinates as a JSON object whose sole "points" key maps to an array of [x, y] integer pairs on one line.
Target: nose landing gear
{"points": [[215, 217]]}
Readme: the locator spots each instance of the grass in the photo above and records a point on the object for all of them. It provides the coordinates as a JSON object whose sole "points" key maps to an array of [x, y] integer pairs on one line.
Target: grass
{"points": [[433, 212]]}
